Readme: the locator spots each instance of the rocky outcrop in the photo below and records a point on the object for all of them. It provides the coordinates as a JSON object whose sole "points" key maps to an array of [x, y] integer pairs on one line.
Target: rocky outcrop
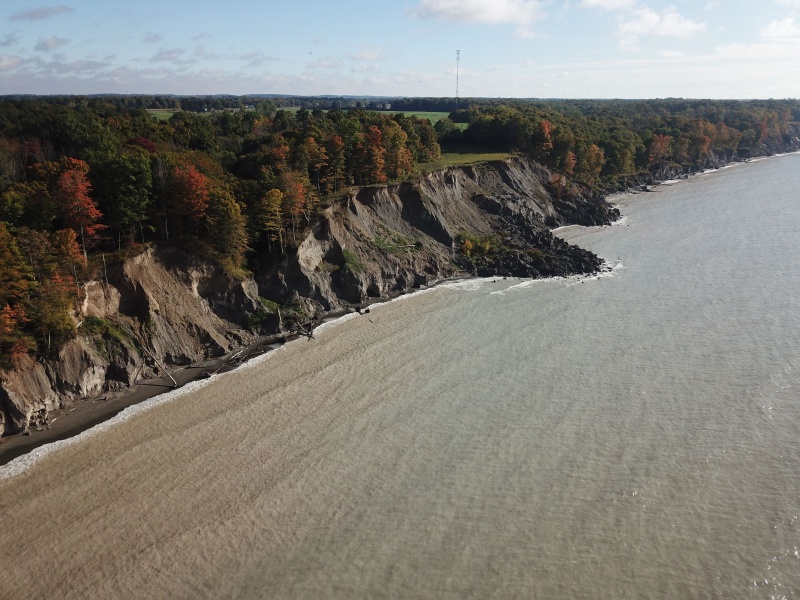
{"points": [[373, 242]]}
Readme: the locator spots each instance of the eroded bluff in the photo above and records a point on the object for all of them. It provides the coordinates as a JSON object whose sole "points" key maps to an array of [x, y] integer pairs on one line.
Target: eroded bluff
{"points": [[166, 305], [487, 219]]}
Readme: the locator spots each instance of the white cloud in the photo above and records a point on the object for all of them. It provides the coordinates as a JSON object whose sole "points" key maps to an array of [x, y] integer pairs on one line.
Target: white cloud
{"points": [[325, 63], [671, 54], [518, 12], [608, 4], [792, 3], [152, 38], [49, 44], [8, 63], [172, 55], [646, 22], [366, 54], [781, 30], [39, 14], [365, 68]]}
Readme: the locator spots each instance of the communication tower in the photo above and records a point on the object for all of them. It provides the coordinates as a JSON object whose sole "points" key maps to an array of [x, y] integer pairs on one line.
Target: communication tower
{"points": [[458, 63]]}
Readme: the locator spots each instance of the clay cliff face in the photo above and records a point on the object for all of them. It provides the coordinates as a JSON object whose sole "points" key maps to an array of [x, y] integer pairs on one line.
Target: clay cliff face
{"points": [[183, 309], [373, 242]]}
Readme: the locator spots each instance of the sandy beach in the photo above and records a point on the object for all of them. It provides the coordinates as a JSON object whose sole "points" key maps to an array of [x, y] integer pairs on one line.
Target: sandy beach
{"points": [[85, 414]]}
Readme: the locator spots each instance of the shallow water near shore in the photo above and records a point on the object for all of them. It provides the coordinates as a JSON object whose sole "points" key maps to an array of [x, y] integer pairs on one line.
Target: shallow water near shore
{"points": [[632, 435]]}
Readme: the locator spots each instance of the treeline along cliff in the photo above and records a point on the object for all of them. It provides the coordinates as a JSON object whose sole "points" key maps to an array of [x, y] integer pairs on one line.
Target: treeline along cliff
{"points": [[126, 240]]}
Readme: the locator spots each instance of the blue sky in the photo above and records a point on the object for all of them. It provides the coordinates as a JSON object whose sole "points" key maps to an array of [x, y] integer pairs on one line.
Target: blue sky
{"points": [[509, 48]]}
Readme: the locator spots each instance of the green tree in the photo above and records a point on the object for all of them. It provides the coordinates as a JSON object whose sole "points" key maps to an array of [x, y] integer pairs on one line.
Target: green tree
{"points": [[226, 224], [122, 182]]}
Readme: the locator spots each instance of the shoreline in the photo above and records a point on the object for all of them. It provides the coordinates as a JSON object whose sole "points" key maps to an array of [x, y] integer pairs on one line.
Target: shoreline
{"points": [[85, 414]]}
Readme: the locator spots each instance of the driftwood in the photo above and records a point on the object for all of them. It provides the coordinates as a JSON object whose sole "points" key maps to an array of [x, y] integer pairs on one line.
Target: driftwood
{"points": [[309, 333], [226, 361]]}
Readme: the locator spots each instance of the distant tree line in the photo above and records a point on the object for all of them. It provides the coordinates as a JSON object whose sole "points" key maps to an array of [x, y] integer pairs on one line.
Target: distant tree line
{"points": [[607, 141]]}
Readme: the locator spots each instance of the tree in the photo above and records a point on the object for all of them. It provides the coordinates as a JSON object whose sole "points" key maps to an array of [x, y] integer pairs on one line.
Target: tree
{"points": [[590, 162], [77, 209], [28, 203], [568, 163], [294, 200], [398, 157], [445, 128], [659, 147], [372, 156], [123, 183], [67, 253], [336, 163], [542, 141], [226, 225], [317, 158], [49, 309], [189, 192], [15, 274], [271, 216], [15, 286]]}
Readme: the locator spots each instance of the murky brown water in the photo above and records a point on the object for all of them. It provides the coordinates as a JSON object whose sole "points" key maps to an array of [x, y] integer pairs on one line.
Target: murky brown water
{"points": [[633, 436]]}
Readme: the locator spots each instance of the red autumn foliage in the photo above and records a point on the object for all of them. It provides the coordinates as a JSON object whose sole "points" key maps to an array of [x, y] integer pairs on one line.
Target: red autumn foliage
{"points": [[145, 143], [659, 147], [76, 206], [190, 191]]}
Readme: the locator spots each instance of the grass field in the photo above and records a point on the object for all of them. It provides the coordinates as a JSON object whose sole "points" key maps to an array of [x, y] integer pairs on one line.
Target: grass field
{"points": [[432, 116], [459, 156], [162, 114]]}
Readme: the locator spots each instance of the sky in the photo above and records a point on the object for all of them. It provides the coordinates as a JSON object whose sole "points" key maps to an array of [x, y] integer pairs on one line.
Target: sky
{"points": [[508, 48]]}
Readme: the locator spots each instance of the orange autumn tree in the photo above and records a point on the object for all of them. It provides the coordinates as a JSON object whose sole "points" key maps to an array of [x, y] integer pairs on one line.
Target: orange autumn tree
{"points": [[590, 162], [568, 163], [659, 147], [75, 205], [371, 156], [189, 191], [295, 200]]}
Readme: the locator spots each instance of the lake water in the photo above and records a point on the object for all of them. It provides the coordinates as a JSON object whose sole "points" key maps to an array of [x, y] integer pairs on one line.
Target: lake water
{"points": [[635, 435]]}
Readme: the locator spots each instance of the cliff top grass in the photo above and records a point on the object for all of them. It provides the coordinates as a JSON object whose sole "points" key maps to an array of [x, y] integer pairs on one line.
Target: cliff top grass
{"points": [[459, 156]]}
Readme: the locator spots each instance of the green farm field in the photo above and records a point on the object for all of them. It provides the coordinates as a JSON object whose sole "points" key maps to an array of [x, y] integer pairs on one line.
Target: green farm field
{"points": [[162, 114]]}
